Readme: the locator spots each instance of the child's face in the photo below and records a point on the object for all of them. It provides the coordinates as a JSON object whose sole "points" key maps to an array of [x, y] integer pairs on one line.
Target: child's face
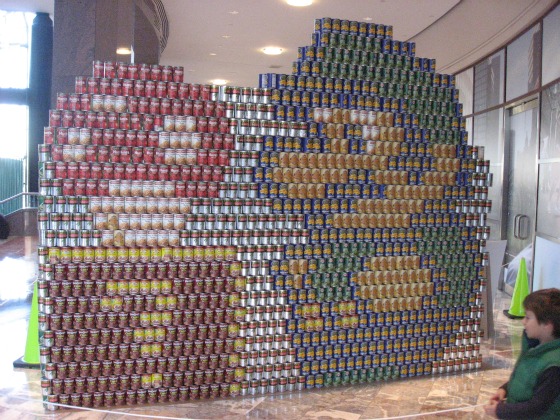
{"points": [[534, 329]]}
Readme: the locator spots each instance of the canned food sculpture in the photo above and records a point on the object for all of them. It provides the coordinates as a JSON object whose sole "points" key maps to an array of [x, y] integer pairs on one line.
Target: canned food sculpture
{"points": [[325, 228]]}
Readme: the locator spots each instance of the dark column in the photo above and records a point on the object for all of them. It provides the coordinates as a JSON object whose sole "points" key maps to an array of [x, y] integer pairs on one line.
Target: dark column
{"points": [[40, 77], [88, 30]]}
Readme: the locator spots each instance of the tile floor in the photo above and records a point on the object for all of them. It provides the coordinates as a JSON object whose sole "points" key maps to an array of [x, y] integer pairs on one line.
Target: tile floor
{"points": [[418, 398]]}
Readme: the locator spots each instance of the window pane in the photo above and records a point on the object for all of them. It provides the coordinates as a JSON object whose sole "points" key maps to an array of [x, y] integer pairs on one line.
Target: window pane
{"points": [[524, 63], [15, 38], [14, 129], [464, 82], [550, 123], [548, 206], [489, 82], [551, 46], [489, 133]]}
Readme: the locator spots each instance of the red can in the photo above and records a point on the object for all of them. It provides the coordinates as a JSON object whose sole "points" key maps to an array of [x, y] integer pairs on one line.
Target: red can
{"points": [[178, 74], [150, 88], [130, 138], [149, 154], [80, 85], [98, 68], [143, 105], [142, 138], [139, 88], [84, 170], [92, 85], [119, 137], [103, 154], [85, 102], [61, 101], [61, 135], [116, 87], [132, 103], [161, 89], [148, 122], [165, 106], [48, 135], [155, 72], [104, 86], [132, 71], [55, 118], [68, 187], [79, 119], [96, 171], [122, 70], [172, 90], [67, 118], [154, 107], [144, 71], [124, 121]]}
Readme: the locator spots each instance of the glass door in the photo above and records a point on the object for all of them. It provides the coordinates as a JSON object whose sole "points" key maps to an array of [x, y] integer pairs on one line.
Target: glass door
{"points": [[521, 147]]}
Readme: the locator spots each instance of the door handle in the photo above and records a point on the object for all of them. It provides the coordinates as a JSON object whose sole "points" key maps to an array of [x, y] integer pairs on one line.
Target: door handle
{"points": [[522, 218], [516, 226]]}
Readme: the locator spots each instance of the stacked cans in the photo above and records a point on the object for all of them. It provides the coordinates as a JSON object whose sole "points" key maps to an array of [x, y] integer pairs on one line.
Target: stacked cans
{"points": [[325, 228]]}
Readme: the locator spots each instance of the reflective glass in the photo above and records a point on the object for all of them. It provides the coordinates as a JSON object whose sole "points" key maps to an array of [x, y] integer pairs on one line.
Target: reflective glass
{"points": [[489, 82], [523, 66]]}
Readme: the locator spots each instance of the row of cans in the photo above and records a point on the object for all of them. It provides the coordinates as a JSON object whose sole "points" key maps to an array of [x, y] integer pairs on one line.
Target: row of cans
{"points": [[427, 102], [314, 89], [98, 399], [146, 172], [123, 70], [350, 27], [169, 90], [202, 269], [173, 205], [142, 139]]}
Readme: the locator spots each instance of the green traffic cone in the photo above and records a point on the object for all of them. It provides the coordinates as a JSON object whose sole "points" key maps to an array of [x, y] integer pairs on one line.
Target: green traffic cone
{"points": [[30, 358], [520, 292]]}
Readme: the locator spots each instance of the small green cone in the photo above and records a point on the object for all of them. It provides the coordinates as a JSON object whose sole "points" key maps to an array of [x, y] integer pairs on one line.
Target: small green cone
{"points": [[520, 292], [30, 358]]}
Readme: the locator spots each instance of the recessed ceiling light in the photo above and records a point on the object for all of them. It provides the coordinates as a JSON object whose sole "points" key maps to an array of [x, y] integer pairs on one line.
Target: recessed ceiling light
{"points": [[233, 12], [368, 18], [124, 51], [213, 54], [226, 36], [272, 50], [218, 82], [299, 3]]}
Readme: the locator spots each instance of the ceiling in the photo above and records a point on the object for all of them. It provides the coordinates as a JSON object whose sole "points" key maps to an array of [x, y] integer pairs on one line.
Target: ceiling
{"points": [[223, 38]]}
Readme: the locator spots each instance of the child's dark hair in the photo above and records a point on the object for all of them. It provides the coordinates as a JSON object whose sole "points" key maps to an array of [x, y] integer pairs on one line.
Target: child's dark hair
{"points": [[545, 304]]}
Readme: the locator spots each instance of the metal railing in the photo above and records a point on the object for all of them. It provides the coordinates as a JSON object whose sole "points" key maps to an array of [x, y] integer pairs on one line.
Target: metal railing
{"points": [[19, 201]]}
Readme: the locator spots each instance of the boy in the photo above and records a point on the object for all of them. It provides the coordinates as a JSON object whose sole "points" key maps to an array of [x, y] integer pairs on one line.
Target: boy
{"points": [[533, 390]]}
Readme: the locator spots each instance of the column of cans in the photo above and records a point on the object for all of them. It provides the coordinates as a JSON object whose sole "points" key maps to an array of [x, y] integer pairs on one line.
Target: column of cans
{"points": [[393, 287]]}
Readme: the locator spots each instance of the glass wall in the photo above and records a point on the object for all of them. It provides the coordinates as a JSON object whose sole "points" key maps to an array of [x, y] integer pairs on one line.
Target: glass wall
{"points": [[489, 133], [551, 47], [523, 65], [489, 82], [548, 214], [511, 80], [15, 40]]}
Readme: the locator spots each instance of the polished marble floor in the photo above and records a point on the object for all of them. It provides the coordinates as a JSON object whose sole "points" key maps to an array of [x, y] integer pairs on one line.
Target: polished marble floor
{"points": [[448, 396]]}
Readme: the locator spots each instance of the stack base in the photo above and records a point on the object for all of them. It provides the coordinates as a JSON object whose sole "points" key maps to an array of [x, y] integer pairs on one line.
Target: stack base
{"points": [[22, 364], [510, 316]]}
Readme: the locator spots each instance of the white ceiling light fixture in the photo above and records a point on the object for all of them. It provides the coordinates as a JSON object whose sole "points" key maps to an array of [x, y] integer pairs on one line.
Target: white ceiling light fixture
{"points": [[124, 51], [272, 50], [219, 82], [299, 3]]}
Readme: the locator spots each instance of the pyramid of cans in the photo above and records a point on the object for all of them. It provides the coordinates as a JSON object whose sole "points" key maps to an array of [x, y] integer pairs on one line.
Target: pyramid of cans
{"points": [[196, 241]]}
